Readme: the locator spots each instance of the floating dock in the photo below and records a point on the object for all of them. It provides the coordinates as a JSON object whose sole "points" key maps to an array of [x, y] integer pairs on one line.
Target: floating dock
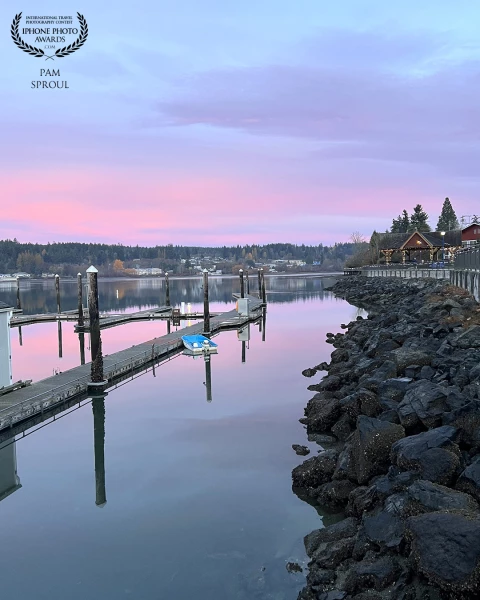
{"points": [[43, 398]]}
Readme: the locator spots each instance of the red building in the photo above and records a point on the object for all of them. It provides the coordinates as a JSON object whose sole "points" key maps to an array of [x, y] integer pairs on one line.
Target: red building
{"points": [[471, 234]]}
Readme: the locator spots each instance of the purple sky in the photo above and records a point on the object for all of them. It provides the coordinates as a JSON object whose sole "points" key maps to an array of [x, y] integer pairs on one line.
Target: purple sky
{"points": [[208, 122]]}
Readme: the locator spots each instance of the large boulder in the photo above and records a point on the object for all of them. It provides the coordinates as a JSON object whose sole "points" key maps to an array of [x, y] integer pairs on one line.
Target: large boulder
{"points": [[404, 357], [371, 444], [446, 550], [372, 574], [407, 452], [424, 402], [384, 529], [333, 533], [322, 413], [315, 471], [425, 496], [469, 480]]}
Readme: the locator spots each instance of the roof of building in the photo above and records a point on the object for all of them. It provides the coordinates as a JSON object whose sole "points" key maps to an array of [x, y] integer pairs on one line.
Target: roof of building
{"points": [[395, 241]]}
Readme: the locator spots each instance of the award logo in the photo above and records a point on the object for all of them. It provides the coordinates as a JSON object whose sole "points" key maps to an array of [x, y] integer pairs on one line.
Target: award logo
{"points": [[50, 38]]}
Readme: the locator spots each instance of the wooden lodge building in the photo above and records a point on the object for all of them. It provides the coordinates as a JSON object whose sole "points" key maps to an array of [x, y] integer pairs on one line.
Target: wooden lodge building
{"points": [[422, 246]]}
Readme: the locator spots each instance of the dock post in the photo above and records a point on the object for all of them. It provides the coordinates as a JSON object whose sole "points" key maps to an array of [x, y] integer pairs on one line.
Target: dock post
{"points": [[264, 292], [206, 307], [208, 377], [20, 338], [98, 408], [19, 304], [80, 299], [57, 291], [95, 340], [244, 345], [167, 290], [259, 283], [242, 284], [264, 322], [248, 282]]}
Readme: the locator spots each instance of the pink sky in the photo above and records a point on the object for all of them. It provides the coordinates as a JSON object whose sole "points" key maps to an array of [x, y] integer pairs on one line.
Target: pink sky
{"points": [[249, 124]]}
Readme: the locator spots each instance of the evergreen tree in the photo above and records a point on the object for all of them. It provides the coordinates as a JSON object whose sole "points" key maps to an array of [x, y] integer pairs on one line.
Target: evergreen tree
{"points": [[448, 219], [405, 222], [396, 225], [418, 219]]}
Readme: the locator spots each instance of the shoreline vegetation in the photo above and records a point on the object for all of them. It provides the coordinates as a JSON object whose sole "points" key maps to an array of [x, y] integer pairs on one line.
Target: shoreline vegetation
{"points": [[397, 417], [70, 258]]}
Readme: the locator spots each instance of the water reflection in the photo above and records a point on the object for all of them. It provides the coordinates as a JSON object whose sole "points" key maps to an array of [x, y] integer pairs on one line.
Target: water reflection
{"points": [[39, 296], [98, 408], [9, 479]]}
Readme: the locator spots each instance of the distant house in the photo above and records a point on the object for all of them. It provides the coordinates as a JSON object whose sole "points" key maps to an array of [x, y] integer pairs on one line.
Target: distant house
{"points": [[471, 235]]}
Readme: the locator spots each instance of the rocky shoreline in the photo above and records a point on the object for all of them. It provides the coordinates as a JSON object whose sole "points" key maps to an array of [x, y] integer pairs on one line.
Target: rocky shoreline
{"points": [[400, 405]]}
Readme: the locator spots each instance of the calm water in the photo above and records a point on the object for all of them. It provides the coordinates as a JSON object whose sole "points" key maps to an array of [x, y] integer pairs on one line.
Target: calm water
{"points": [[199, 501]]}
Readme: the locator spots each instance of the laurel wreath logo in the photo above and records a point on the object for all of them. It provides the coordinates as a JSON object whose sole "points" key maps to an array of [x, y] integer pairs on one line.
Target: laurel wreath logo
{"points": [[38, 52]]}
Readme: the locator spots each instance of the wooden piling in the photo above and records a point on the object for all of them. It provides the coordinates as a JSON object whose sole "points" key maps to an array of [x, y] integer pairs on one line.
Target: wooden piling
{"points": [[57, 291], [242, 284], [80, 299], [98, 408], [264, 292], [264, 322], [167, 290], [248, 282], [259, 283], [19, 304], [244, 347], [95, 340], [20, 338], [206, 306]]}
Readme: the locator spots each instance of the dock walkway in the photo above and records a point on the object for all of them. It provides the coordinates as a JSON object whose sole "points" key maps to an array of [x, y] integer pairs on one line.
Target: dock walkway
{"points": [[45, 395]]}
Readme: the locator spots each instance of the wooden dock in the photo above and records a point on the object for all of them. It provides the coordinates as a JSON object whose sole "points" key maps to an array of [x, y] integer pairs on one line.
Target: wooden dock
{"points": [[39, 400]]}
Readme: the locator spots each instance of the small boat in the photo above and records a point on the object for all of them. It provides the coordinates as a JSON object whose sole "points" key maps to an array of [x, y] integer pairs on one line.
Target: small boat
{"points": [[199, 344]]}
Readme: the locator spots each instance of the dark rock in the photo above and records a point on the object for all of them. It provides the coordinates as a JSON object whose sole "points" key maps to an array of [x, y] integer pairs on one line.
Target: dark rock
{"points": [[353, 404], [322, 413], [321, 577], [384, 529], [404, 357], [377, 574], [406, 453], [424, 496], [309, 372], [469, 480], [333, 533], [371, 444], [345, 468], [394, 389], [334, 494], [466, 419], [468, 339], [424, 402], [413, 371], [332, 595], [320, 438], [391, 416], [293, 567], [439, 465], [361, 500], [329, 555], [342, 428], [316, 470], [427, 372], [300, 450], [446, 550]]}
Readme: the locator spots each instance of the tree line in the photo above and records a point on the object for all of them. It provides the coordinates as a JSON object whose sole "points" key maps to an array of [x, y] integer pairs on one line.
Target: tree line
{"points": [[418, 219], [67, 258]]}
